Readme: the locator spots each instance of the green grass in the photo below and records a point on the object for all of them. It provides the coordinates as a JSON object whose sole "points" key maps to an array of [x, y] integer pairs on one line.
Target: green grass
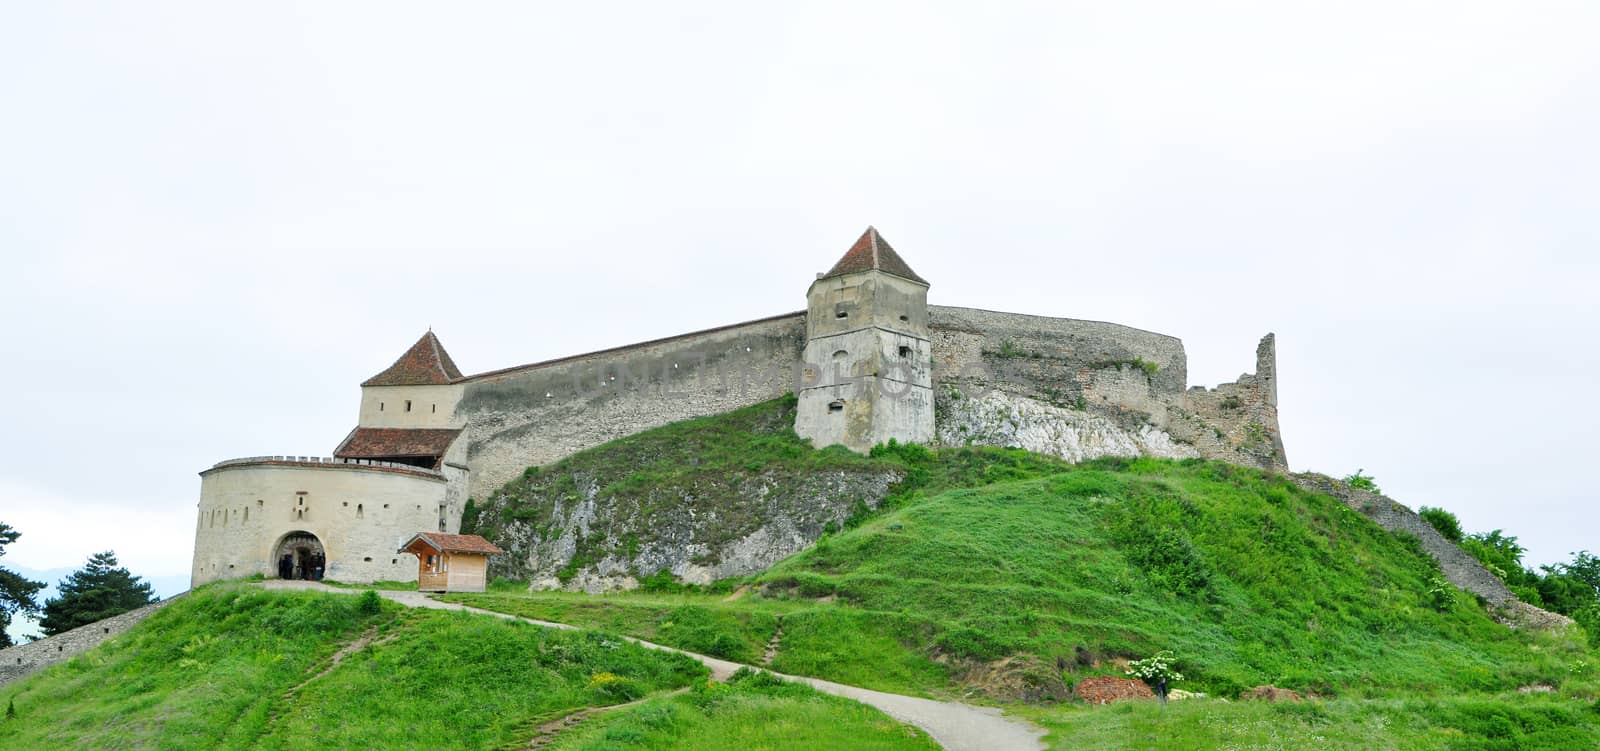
{"points": [[699, 623], [1501, 723], [1065, 570], [752, 712], [211, 670], [452, 680]]}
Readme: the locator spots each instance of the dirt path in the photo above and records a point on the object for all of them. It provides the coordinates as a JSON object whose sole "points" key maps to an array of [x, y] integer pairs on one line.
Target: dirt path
{"points": [[954, 726]]}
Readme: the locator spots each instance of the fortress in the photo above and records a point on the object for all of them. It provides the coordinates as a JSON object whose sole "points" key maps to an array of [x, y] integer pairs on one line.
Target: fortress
{"points": [[869, 360]]}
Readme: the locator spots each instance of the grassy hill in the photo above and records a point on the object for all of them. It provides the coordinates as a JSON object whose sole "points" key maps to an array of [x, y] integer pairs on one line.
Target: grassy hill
{"points": [[1002, 576], [232, 666]]}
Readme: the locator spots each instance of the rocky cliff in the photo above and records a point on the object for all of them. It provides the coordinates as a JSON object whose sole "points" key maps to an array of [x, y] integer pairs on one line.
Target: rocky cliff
{"points": [[701, 500]]}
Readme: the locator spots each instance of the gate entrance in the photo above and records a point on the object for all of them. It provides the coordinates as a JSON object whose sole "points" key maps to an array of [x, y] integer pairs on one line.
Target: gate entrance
{"points": [[299, 555]]}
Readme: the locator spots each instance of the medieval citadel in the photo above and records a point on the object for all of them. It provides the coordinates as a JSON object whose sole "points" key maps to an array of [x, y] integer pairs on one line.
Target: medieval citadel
{"points": [[869, 360]]}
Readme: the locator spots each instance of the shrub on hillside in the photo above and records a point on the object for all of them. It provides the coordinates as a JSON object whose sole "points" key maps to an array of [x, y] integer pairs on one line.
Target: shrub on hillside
{"points": [[1443, 522], [1362, 482]]}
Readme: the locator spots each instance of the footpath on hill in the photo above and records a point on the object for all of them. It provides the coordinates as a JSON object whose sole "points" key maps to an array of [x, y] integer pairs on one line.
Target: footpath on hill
{"points": [[954, 726]]}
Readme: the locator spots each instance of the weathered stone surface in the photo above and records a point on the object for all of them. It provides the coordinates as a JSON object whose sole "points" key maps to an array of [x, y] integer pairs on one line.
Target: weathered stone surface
{"points": [[996, 418], [24, 659], [739, 526], [1106, 689]]}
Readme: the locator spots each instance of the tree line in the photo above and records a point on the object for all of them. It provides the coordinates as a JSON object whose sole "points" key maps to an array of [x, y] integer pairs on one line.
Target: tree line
{"points": [[99, 590]]}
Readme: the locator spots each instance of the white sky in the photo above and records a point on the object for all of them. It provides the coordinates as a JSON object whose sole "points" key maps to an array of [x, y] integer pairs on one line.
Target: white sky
{"points": [[217, 219]]}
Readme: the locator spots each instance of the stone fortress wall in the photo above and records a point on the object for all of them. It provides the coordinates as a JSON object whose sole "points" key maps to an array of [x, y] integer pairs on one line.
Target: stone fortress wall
{"points": [[24, 659], [890, 366], [536, 414], [1012, 379]]}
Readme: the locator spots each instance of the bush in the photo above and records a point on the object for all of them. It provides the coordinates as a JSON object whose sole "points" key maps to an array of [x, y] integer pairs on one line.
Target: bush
{"points": [[370, 603], [1441, 594], [1169, 560], [1362, 482], [1443, 522], [611, 688]]}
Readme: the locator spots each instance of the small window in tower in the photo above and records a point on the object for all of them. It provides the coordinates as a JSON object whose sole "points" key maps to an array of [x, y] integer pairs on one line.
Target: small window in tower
{"points": [[408, 405], [436, 409], [359, 513], [247, 513], [843, 314], [840, 354], [836, 405], [380, 406], [367, 559], [905, 351], [905, 319]]}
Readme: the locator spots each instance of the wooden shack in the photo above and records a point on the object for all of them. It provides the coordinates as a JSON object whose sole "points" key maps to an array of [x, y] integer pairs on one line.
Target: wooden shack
{"points": [[451, 563]]}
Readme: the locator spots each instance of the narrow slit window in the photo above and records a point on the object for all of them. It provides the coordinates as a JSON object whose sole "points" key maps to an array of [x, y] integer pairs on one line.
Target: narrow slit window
{"points": [[380, 406], [905, 351], [836, 405], [843, 314], [408, 405]]}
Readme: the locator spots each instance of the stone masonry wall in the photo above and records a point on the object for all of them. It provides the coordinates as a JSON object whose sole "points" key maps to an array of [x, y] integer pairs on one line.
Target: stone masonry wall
{"points": [[1461, 569], [1082, 389], [1458, 567], [25, 659], [537, 414], [1092, 383]]}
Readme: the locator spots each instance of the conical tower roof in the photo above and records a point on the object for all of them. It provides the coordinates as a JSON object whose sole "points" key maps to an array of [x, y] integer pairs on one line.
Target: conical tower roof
{"points": [[425, 364], [872, 253]]}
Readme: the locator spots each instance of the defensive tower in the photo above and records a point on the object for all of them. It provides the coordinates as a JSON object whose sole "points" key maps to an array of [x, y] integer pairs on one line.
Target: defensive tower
{"points": [[867, 363]]}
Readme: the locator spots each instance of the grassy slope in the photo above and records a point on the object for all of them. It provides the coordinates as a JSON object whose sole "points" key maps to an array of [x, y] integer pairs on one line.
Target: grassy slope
{"points": [[752, 712], [219, 670], [988, 554]]}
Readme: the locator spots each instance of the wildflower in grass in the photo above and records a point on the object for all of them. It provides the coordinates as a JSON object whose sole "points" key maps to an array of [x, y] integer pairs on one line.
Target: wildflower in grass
{"points": [[1157, 671]]}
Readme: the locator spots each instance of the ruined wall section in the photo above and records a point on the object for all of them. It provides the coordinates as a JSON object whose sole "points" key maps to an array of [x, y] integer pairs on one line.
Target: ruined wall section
{"points": [[1239, 419], [536, 414], [1082, 389], [25, 659]]}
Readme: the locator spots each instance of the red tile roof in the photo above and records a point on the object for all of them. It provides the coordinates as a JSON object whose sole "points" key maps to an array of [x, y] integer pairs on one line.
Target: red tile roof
{"points": [[872, 253], [425, 364], [376, 443], [454, 543]]}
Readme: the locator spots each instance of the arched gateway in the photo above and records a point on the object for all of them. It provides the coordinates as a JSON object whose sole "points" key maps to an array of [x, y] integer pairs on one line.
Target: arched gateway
{"points": [[299, 555]]}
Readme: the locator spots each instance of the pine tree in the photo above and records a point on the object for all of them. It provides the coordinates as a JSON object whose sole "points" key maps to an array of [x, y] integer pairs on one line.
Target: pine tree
{"points": [[16, 593], [99, 590]]}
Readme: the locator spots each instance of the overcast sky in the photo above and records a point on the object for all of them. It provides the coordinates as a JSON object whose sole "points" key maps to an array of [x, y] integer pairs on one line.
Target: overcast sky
{"points": [[217, 219]]}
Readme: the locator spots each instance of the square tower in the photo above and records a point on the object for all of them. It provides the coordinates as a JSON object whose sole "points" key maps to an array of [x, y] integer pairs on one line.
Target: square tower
{"points": [[867, 370]]}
